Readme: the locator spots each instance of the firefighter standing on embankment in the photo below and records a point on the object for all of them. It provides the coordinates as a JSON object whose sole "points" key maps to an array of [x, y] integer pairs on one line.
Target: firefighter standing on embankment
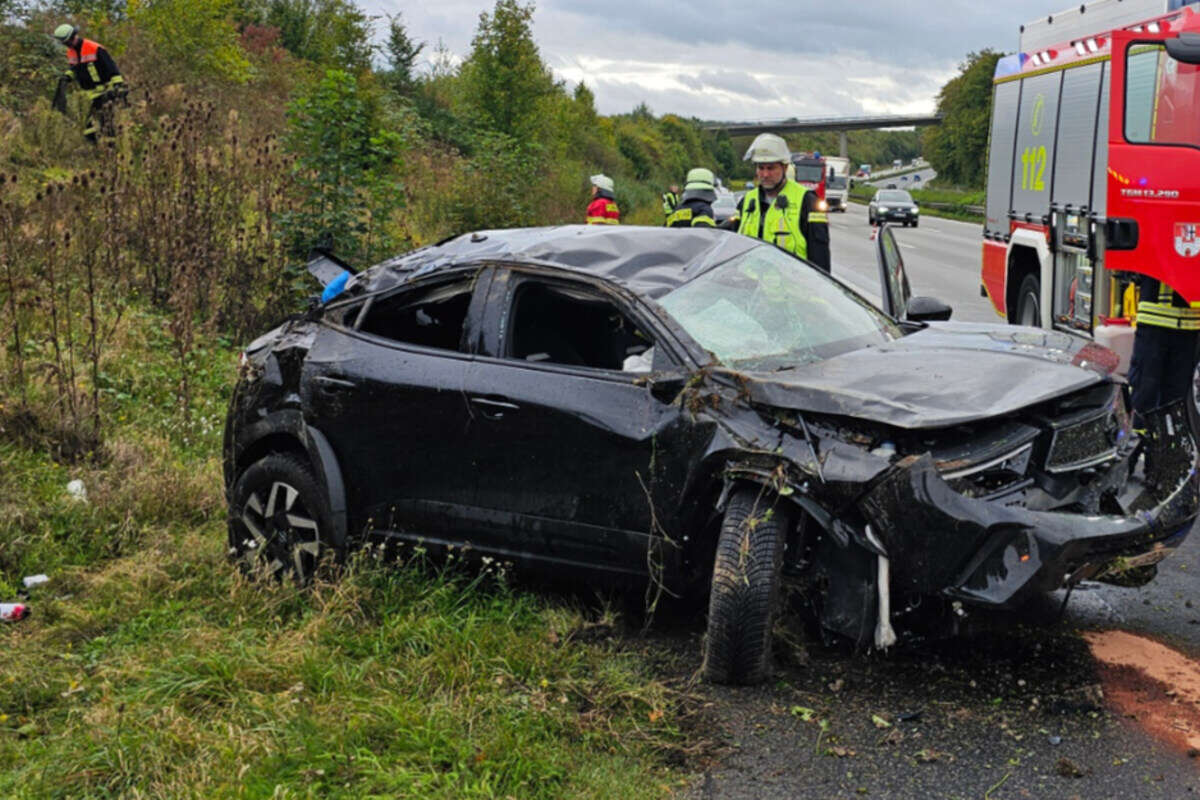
{"points": [[602, 210], [780, 211], [1164, 347], [91, 66]]}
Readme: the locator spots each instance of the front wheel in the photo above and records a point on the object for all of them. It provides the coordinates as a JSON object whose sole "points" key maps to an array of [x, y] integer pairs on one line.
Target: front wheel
{"points": [[915, 221], [1029, 302], [745, 589], [279, 518]]}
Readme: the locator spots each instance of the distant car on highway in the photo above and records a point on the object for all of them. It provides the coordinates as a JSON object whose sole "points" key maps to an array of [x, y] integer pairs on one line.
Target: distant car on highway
{"points": [[725, 206], [893, 205]]}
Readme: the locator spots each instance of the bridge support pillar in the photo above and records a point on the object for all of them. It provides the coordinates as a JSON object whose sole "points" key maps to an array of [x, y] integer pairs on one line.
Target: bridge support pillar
{"points": [[842, 151]]}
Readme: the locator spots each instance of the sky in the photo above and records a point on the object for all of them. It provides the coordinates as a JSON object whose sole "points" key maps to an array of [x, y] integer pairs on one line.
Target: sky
{"points": [[739, 60]]}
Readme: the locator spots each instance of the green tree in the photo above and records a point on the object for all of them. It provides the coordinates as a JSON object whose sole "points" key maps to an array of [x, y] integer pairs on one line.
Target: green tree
{"points": [[198, 36], [402, 52], [345, 170], [330, 33], [957, 148], [504, 80]]}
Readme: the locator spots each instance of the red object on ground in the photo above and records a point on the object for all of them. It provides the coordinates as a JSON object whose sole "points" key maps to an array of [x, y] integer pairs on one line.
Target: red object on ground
{"points": [[11, 612]]}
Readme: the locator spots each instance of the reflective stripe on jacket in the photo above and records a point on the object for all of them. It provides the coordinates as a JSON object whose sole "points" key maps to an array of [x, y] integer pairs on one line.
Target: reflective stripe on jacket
{"points": [[1171, 311], [603, 211], [670, 202], [692, 214], [92, 66], [781, 224]]}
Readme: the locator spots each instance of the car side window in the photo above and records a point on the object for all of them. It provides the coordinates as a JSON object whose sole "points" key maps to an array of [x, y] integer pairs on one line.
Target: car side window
{"points": [[430, 316], [576, 327]]}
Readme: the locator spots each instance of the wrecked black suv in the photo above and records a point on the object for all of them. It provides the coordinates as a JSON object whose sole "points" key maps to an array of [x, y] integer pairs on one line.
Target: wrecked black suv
{"points": [[699, 410]]}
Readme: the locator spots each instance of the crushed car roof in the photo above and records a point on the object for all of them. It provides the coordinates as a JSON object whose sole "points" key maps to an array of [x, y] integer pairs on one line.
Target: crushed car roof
{"points": [[648, 260]]}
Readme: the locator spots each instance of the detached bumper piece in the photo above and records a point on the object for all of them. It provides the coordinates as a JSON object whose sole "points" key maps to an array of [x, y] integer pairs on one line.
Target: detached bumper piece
{"points": [[990, 553]]}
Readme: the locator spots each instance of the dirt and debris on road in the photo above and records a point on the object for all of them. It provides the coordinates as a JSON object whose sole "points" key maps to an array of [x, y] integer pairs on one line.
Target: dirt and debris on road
{"points": [[1011, 712]]}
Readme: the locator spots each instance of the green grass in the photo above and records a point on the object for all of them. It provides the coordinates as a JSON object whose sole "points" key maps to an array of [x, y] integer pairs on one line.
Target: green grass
{"points": [[152, 668]]}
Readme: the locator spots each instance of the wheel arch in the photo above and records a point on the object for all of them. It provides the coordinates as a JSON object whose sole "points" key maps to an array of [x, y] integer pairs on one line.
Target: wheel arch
{"points": [[1028, 254], [287, 432]]}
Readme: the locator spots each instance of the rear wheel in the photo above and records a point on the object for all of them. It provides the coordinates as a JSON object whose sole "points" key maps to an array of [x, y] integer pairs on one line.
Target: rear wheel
{"points": [[1029, 302], [279, 519], [745, 589]]}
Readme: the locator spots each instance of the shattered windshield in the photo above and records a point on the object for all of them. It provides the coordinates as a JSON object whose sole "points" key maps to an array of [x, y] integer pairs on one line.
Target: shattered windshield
{"points": [[765, 310]]}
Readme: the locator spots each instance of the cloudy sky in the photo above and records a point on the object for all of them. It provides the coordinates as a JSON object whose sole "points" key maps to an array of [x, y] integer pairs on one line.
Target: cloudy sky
{"points": [[746, 60]]}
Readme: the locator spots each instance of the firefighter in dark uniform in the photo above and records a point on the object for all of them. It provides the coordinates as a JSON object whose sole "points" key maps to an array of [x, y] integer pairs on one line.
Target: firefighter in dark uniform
{"points": [[1164, 347], [90, 66], [695, 207], [781, 211]]}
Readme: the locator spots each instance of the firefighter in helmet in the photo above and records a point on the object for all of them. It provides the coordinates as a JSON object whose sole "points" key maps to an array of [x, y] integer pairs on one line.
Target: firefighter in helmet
{"points": [[695, 207], [1164, 347], [781, 211], [90, 66], [602, 210]]}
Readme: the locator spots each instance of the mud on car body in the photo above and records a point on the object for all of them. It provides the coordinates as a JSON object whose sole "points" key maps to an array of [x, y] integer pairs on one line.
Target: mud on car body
{"points": [[706, 412]]}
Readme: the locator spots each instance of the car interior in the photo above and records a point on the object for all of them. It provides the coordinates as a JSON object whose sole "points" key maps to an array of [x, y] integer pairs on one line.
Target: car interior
{"points": [[571, 326], [432, 318]]}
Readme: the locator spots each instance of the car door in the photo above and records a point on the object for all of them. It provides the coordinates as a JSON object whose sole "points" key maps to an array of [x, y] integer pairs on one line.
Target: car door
{"points": [[385, 385], [575, 458], [894, 291]]}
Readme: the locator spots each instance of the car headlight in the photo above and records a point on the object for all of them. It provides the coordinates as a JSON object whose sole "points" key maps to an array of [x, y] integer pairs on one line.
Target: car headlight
{"points": [[916, 211], [883, 208], [822, 205]]}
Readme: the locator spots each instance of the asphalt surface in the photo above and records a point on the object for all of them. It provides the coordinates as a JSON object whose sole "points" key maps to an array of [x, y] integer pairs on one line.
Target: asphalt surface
{"points": [[1016, 706]]}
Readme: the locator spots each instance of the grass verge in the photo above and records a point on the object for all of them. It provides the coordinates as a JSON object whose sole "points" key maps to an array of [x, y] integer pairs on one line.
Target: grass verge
{"points": [[151, 668]]}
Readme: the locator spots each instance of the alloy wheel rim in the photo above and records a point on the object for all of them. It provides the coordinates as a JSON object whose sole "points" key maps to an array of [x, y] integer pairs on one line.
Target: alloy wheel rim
{"points": [[280, 531]]}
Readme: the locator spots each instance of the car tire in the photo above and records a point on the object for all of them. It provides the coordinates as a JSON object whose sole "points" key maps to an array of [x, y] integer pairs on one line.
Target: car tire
{"points": [[279, 519], [915, 222], [745, 589], [1029, 302], [1193, 402], [870, 219]]}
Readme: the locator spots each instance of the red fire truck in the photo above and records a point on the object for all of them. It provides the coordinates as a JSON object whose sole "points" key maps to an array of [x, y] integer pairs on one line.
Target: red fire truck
{"points": [[1094, 166], [810, 172]]}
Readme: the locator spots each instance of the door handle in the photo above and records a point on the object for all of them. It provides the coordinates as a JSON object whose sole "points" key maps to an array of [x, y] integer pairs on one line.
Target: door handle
{"points": [[493, 408]]}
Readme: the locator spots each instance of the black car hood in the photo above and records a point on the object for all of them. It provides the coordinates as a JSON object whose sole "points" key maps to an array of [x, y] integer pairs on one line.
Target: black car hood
{"points": [[946, 374]]}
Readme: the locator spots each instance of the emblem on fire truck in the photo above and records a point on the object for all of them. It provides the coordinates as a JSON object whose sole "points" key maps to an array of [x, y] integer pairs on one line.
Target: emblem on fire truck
{"points": [[1186, 243]]}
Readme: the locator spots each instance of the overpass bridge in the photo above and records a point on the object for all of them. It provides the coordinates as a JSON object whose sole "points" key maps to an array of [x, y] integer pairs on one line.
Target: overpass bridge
{"points": [[839, 124]]}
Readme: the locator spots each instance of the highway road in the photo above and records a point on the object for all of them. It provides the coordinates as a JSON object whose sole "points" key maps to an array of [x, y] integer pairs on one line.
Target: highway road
{"points": [[942, 257]]}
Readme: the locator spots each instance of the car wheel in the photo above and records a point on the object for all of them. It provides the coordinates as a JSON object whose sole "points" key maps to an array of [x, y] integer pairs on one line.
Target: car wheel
{"points": [[745, 589], [1029, 302], [870, 219], [915, 221], [279, 518]]}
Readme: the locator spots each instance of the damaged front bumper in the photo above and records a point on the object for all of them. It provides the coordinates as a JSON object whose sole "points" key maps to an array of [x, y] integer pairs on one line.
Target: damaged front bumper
{"points": [[940, 541]]}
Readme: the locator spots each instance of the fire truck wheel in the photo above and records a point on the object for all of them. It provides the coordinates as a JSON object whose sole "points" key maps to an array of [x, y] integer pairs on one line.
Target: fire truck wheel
{"points": [[1193, 405], [1029, 302]]}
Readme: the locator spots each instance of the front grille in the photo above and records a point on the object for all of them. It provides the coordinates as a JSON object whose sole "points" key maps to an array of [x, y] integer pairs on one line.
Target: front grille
{"points": [[1082, 441]]}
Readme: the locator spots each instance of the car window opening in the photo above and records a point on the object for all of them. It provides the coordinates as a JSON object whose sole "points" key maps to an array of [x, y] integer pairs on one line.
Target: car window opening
{"points": [[432, 317], [576, 328]]}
